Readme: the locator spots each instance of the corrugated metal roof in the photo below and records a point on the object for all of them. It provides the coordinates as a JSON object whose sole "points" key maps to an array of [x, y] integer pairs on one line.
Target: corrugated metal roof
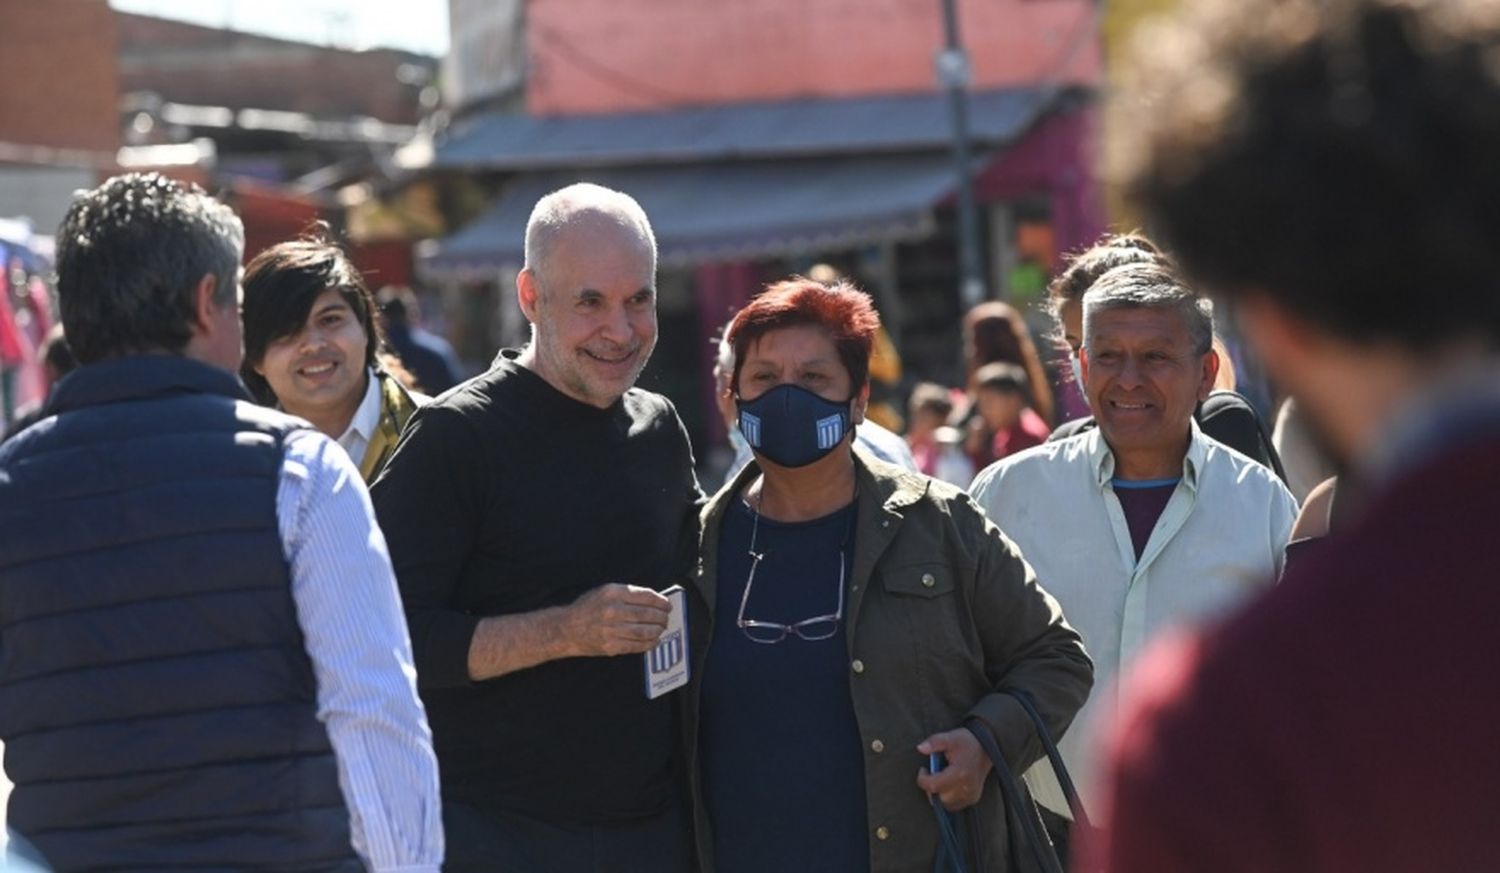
{"points": [[743, 131]]}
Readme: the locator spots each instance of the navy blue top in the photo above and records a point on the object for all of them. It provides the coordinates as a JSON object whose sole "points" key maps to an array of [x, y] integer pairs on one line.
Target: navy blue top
{"points": [[783, 769], [427, 356], [157, 704], [1143, 501]]}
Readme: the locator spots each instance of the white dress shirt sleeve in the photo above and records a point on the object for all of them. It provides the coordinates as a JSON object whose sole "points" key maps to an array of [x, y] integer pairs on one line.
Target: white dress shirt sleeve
{"points": [[350, 615]]}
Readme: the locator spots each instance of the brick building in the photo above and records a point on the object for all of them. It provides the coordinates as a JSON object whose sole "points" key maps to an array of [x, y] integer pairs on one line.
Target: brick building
{"points": [[293, 125], [207, 66], [59, 112]]}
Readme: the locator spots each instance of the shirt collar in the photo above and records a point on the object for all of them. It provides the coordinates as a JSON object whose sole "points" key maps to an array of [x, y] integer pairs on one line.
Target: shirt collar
{"points": [[1103, 458], [367, 416]]}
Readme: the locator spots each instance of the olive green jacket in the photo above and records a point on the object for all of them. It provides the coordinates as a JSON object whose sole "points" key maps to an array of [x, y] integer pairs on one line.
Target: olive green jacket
{"points": [[942, 615]]}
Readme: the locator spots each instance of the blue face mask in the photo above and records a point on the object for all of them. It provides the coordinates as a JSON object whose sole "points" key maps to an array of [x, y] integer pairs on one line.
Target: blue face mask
{"points": [[791, 426]]}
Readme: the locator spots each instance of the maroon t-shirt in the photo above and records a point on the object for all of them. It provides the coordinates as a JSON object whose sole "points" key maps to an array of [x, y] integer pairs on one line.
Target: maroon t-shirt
{"points": [[1143, 502]]}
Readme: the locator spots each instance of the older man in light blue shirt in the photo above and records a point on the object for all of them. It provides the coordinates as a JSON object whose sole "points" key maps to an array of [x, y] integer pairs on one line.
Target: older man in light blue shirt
{"points": [[1145, 522]]}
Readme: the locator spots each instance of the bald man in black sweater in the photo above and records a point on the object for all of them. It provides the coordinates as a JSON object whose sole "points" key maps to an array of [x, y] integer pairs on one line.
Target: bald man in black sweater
{"points": [[533, 515]]}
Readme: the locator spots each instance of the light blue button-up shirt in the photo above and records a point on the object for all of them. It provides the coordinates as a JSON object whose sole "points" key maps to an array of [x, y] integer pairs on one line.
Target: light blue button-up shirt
{"points": [[355, 632], [1219, 540]]}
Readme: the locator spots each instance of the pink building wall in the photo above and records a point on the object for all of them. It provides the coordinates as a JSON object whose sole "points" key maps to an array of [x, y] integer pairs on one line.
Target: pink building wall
{"points": [[629, 55], [1053, 159]]}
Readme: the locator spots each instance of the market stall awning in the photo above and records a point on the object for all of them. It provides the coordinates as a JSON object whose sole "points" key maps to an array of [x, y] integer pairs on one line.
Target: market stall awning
{"points": [[729, 211], [740, 131]]}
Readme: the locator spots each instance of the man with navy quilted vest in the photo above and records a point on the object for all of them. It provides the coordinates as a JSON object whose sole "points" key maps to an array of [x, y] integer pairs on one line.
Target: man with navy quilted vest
{"points": [[203, 662]]}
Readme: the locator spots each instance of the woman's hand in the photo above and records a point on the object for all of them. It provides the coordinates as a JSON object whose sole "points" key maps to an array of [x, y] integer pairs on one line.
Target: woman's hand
{"points": [[961, 782]]}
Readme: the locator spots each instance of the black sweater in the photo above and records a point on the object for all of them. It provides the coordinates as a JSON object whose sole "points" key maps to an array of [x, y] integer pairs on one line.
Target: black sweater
{"points": [[506, 496]]}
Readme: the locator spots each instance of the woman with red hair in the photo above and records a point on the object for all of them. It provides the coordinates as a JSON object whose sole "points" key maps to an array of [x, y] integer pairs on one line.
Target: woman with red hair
{"points": [[848, 618]]}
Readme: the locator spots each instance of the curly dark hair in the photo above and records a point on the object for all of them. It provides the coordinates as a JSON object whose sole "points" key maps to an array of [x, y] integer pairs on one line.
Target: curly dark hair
{"points": [[1336, 155]]}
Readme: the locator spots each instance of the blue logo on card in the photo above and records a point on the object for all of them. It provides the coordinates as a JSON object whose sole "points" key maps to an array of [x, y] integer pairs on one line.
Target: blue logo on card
{"points": [[668, 653]]}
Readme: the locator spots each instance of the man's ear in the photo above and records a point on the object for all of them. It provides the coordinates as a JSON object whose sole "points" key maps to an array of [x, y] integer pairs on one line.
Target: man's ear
{"points": [[1211, 366], [528, 292], [205, 308], [1210, 374]]}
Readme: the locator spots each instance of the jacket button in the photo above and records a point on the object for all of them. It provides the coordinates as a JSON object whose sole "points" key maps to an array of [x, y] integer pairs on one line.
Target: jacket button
{"points": [[882, 833], [928, 581], [877, 747], [886, 523], [858, 666]]}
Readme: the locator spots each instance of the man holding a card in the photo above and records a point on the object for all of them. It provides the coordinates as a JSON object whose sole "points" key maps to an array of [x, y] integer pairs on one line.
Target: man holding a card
{"points": [[535, 514]]}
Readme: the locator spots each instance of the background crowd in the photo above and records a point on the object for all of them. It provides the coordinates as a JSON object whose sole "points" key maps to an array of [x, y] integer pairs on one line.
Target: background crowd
{"points": [[279, 590]]}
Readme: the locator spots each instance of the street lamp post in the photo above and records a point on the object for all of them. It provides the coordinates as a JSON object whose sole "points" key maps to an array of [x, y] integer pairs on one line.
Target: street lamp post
{"points": [[953, 74]]}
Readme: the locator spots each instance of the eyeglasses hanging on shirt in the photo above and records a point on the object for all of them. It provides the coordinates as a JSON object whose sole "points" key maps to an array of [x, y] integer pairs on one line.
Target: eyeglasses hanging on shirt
{"points": [[815, 629]]}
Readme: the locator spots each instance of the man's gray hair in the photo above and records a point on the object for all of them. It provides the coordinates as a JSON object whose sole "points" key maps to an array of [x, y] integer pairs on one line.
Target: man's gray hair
{"points": [[130, 254], [562, 207], [1148, 285]]}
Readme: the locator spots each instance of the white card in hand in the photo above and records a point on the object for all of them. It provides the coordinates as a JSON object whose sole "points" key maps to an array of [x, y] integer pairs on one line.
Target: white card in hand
{"points": [[667, 664]]}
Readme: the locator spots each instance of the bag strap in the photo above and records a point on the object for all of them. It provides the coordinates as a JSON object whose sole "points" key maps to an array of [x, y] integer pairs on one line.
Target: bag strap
{"points": [[950, 853], [1019, 808], [1080, 815], [1224, 400]]}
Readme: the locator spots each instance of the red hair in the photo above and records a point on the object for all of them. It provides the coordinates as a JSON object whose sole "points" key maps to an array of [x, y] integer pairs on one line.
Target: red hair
{"points": [[841, 309]]}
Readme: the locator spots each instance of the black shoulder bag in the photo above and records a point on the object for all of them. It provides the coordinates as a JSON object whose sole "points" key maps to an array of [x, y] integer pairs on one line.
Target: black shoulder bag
{"points": [[1031, 849]]}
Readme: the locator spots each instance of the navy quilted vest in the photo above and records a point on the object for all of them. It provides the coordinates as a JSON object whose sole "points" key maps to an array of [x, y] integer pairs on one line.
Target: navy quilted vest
{"points": [[157, 704]]}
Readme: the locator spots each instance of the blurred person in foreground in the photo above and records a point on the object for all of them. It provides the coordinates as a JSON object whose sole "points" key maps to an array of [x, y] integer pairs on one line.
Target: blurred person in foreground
{"points": [[205, 661], [1345, 721], [1143, 523], [312, 344], [428, 356], [534, 515], [849, 616]]}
